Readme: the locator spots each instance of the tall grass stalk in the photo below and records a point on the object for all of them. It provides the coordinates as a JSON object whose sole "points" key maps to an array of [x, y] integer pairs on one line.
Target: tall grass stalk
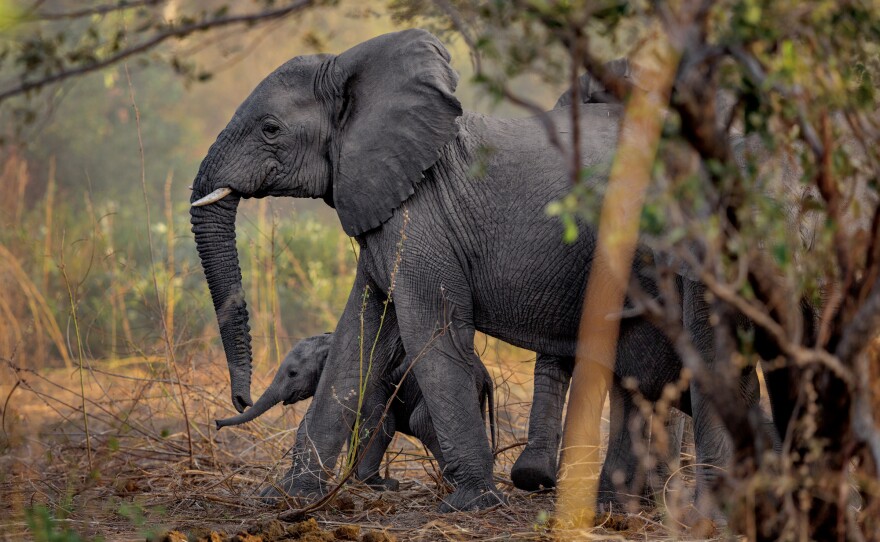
{"points": [[114, 291], [80, 353], [47, 240], [365, 376], [273, 295], [10, 320], [169, 351], [22, 178], [265, 289], [169, 260]]}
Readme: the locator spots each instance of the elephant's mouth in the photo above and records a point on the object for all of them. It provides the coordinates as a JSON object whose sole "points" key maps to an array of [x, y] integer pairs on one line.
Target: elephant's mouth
{"points": [[298, 396]]}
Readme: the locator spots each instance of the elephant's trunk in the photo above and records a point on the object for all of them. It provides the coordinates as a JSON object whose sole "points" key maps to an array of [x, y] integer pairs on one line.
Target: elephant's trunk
{"points": [[270, 398], [214, 229]]}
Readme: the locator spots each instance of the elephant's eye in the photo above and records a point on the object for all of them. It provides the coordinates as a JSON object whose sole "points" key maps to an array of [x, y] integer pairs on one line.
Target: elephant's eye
{"points": [[292, 373], [271, 128]]}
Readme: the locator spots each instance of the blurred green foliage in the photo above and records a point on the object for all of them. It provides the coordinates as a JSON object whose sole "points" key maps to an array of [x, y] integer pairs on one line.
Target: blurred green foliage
{"points": [[46, 528], [72, 163]]}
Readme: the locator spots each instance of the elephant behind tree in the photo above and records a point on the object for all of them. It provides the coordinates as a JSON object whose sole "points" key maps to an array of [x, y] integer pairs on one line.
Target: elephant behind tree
{"points": [[297, 379], [458, 234], [537, 465], [645, 358]]}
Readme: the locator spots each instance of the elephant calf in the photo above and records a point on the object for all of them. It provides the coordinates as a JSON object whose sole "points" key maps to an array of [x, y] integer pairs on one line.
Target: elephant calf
{"points": [[297, 379]]}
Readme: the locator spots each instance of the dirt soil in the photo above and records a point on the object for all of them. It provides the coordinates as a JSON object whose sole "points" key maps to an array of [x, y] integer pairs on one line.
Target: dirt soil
{"points": [[410, 514]]}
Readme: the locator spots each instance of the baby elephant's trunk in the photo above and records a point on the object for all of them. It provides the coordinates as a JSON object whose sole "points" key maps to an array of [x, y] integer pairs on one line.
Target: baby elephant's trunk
{"points": [[269, 399]]}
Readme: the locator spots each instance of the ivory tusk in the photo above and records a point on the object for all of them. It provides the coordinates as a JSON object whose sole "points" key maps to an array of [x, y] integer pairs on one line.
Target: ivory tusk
{"points": [[190, 187], [213, 197]]}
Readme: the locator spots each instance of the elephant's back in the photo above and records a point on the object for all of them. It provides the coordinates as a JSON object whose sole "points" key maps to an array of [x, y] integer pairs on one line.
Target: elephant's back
{"points": [[527, 279]]}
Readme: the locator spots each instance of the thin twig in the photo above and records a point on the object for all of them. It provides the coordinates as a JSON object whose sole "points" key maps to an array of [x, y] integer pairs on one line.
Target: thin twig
{"points": [[173, 32], [34, 16]]}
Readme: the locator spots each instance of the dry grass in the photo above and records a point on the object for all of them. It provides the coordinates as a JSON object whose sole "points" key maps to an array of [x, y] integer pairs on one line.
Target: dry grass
{"points": [[144, 479]]}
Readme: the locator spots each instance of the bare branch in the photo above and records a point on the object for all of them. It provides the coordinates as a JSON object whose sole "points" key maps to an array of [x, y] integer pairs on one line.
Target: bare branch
{"points": [[536, 110], [864, 423], [172, 32], [103, 9]]}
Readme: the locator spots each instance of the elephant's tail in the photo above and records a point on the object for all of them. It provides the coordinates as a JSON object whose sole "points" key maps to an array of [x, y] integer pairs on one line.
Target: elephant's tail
{"points": [[487, 403]]}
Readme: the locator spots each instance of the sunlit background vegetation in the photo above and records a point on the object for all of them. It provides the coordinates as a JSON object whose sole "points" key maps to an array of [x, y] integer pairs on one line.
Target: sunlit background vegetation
{"points": [[76, 205]]}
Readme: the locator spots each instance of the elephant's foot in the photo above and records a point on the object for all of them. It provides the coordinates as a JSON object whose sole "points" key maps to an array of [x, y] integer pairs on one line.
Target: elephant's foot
{"points": [[382, 484], [534, 470], [304, 487], [472, 499], [618, 492], [608, 502]]}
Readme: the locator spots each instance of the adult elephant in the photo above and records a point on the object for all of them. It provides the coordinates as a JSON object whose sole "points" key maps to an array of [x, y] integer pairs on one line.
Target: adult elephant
{"points": [[449, 211]]}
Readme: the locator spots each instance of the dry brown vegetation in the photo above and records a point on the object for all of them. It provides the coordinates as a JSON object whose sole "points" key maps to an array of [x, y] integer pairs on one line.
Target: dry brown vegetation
{"points": [[152, 460]]}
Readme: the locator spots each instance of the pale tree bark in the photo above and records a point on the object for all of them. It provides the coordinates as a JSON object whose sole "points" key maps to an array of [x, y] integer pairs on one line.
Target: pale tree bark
{"points": [[606, 287]]}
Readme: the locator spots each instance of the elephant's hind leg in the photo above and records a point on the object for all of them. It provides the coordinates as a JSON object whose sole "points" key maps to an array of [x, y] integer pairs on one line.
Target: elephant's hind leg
{"points": [[373, 451], [622, 480], [536, 466], [423, 429], [443, 343]]}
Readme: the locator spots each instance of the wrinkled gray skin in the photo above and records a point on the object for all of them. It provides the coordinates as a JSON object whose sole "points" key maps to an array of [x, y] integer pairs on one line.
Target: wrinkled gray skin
{"points": [[297, 379], [377, 133], [646, 358], [537, 465]]}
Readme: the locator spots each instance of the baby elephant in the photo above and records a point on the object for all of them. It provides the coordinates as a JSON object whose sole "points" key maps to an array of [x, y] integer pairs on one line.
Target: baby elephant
{"points": [[297, 379]]}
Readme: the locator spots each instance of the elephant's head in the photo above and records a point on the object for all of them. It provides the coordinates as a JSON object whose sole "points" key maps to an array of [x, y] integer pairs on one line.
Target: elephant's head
{"points": [[296, 379], [357, 130], [592, 91]]}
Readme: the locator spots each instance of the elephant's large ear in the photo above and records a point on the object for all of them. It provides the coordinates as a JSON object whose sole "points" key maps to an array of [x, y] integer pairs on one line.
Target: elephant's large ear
{"points": [[322, 348], [396, 112]]}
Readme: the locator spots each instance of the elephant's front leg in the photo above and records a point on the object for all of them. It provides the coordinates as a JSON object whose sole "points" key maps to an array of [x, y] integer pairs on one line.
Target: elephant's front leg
{"points": [[443, 346], [330, 418], [713, 444], [537, 465]]}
